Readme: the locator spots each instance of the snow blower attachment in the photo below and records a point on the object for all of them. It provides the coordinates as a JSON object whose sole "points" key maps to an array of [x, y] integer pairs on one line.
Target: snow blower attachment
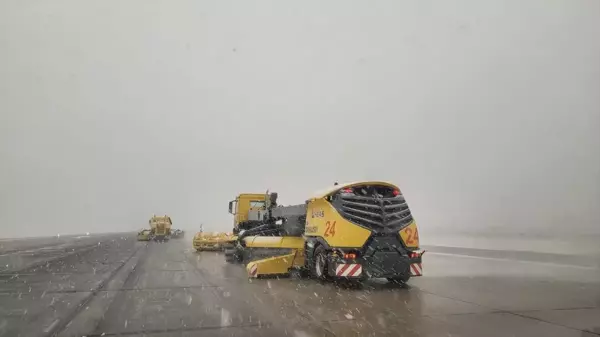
{"points": [[350, 231]]}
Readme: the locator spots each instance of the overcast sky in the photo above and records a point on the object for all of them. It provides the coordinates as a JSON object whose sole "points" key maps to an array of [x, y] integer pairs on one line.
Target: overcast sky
{"points": [[486, 113]]}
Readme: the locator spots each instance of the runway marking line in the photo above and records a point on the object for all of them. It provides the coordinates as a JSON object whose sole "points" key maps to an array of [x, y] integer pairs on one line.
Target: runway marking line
{"points": [[513, 260]]}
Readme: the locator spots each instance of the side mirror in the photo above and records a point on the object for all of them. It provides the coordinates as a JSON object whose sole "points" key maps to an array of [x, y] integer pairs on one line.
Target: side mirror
{"points": [[231, 206]]}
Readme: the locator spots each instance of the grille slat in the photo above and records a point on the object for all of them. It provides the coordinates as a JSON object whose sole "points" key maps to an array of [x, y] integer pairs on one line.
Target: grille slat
{"points": [[371, 214], [388, 207], [400, 214], [377, 208], [360, 219], [404, 220], [358, 204]]}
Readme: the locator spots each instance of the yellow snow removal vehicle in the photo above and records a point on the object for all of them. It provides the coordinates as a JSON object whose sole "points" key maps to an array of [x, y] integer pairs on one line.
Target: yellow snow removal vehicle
{"points": [[160, 226], [353, 231]]}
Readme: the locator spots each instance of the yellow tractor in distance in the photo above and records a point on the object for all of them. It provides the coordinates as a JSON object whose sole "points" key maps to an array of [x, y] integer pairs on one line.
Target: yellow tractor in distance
{"points": [[353, 231], [160, 227]]}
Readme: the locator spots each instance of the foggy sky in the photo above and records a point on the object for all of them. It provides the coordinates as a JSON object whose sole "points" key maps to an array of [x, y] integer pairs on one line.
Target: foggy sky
{"points": [[486, 113]]}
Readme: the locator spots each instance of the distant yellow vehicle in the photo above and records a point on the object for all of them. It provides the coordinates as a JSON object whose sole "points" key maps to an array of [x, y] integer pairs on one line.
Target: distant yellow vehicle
{"points": [[209, 241], [160, 227], [144, 235]]}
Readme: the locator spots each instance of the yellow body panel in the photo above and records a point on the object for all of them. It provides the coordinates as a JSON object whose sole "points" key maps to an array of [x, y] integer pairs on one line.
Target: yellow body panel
{"points": [[323, 220], [410, 235], [293, 242], [276, 265], [243, 206]]}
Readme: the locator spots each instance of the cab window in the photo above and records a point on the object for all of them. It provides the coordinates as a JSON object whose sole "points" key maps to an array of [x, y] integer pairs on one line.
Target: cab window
{"points": [[257, 204]]}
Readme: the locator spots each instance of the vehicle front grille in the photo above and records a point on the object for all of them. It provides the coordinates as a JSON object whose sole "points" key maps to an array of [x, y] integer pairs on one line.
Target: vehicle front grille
{"points": [[381, 212]]}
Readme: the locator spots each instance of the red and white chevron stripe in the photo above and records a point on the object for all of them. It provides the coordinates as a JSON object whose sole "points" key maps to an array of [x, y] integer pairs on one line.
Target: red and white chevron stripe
{"points": [[348, 270], [416, 269]]}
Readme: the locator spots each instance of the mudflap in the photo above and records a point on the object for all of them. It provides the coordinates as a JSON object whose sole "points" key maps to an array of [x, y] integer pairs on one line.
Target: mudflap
{"points": [[416, 268], [347, 270]]}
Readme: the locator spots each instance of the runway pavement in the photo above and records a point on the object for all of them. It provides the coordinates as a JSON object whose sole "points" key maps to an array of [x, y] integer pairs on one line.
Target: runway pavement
{"points": [[116, 286]]}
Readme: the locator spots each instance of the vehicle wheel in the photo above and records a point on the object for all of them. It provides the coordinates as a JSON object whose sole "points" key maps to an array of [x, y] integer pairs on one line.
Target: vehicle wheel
{"points": [[399, 279], [318, 266]]}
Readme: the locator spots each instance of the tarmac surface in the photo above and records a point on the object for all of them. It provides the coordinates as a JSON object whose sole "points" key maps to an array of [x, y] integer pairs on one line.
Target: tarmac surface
{"points": [[112, 285]]}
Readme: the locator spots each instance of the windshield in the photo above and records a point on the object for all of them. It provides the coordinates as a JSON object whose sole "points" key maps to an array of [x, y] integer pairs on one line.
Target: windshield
{"points": [[257, 204]]}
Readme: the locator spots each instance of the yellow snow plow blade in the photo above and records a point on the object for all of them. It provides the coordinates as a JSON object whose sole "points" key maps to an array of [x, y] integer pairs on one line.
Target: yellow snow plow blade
{"points": [[277, 265], [207, 241]]}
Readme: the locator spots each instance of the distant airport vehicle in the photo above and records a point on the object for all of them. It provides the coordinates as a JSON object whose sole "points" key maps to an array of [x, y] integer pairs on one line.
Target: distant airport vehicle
{"points": [[160, 227]]}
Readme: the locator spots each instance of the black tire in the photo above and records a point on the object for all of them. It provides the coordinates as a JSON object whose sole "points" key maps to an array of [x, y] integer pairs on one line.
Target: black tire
{"points": [[318, 264]]}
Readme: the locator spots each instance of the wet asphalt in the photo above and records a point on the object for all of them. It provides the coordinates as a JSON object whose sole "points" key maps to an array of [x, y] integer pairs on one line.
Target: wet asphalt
{"points": [[112, 285]]}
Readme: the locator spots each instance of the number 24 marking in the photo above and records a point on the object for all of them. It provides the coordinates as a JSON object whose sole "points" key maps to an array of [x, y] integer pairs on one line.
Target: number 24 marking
{"points": [[329, 228], [411, 239]]}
